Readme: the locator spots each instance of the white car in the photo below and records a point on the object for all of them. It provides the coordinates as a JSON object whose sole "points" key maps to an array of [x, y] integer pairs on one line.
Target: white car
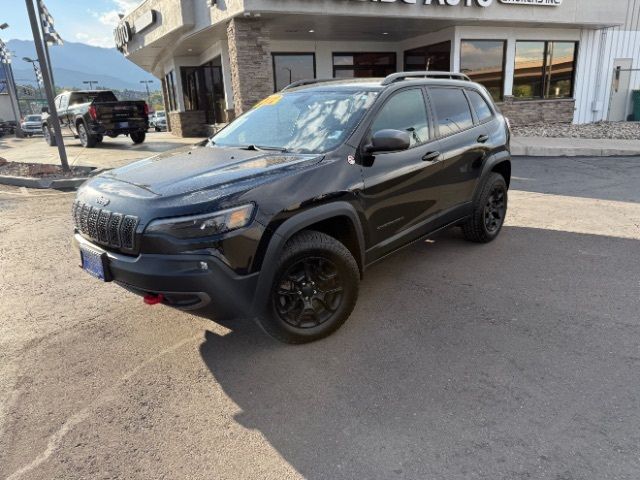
{"points": [[31, 125], [158, 121]]}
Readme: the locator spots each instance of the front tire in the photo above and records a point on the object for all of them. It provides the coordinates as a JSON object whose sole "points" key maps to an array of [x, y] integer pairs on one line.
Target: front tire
{"points": [[314, 290], [48, 136], [489, 211], [86, 139], [138, 137]]}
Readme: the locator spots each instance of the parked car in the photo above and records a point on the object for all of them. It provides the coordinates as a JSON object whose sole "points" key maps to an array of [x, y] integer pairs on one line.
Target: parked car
{"points": [[158, 121], [31, 125], [280, 214], [7, 127], [90, 115]]}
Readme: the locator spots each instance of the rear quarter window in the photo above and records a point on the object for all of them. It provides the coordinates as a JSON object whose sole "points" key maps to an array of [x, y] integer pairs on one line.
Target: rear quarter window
{"points": [[452, 110], [482, 109]]}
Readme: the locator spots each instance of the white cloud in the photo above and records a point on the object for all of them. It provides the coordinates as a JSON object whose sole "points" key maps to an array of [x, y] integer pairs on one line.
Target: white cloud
{"points": [[125, 6], [110, 18], [96, 41]]}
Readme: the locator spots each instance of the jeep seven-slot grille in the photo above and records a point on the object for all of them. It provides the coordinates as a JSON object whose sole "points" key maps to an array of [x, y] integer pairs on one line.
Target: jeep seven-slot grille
{"points": [[104, 227]]}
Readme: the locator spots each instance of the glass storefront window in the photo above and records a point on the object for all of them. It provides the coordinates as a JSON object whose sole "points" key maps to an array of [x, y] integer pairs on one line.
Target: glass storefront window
{"points": [[363, 65], [544, 69], [203, 90], [432, 57], [171, 91], [561, 66], [291, 67], [483, 62]]}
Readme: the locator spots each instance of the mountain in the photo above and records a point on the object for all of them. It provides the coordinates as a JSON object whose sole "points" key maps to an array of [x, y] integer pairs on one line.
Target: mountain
{"points": [[75, 62]]}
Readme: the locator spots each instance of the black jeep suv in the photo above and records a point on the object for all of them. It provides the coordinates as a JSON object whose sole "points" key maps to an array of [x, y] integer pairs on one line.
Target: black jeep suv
{"points": [[278, 215]]}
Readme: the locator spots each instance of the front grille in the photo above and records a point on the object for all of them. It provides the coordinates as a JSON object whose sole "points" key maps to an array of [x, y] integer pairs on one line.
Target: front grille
{"points": [[106, 228]]}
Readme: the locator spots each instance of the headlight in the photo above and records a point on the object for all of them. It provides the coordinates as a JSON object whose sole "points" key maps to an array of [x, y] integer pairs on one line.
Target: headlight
{"points": [[203, 225]]}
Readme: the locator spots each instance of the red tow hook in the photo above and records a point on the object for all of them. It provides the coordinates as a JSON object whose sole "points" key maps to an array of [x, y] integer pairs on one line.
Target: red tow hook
{"points": [[153, 299]]}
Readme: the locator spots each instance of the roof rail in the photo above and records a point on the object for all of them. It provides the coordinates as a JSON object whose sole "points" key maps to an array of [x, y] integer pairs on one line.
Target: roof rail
{"points": [[309, 81], [396, 77]]}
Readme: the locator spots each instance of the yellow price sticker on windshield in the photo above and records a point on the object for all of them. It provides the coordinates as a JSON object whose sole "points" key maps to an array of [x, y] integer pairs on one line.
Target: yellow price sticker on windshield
{"points": [[270, 100]]}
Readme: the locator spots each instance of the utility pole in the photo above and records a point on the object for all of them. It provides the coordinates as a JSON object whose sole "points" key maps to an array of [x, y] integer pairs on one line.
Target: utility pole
{"points": [[90, 83], [5, 61], [146, 84], [48, 87]]}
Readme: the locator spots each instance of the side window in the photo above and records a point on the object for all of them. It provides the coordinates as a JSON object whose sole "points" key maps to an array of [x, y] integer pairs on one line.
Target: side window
{"points": [[451, 109], [64, 102], [405, 111], [483, 112]]}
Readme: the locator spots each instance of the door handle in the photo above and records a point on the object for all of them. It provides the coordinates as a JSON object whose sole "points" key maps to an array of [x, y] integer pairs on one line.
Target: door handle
{"points": [[483, 138], [431, 157]]}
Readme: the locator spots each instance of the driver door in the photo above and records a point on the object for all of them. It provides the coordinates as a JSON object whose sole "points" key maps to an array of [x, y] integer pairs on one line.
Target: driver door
{"points": [[402, 189]]}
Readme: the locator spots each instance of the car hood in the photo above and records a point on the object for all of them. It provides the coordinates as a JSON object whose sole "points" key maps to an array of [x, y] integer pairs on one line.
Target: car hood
{"points": [[32, 124], [201, 168]]}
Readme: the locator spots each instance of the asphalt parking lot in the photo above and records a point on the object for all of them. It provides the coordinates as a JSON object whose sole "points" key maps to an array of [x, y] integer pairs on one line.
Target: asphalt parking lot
{"points": [[514, 360]]}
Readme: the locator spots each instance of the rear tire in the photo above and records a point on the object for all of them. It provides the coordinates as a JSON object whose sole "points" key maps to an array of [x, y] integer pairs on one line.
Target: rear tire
{"points": [[489, 211], [138, 137], [314, 290], [86, 139], [48, 136]]}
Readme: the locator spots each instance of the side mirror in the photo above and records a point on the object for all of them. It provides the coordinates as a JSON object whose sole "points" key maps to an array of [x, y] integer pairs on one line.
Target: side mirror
{"points": [[389, 141]]}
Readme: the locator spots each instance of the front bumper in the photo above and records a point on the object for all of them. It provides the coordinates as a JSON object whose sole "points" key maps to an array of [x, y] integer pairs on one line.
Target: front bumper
{"points": [[198, 283], [27, 129]]}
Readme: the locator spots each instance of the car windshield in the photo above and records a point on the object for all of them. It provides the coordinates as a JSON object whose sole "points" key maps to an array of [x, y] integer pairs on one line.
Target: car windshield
{"points": [[33, 118], [302, 122], [160, 114]]}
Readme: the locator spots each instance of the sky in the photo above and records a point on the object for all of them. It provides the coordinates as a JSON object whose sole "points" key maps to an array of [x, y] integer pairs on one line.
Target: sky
{"points": [[91, 22]]}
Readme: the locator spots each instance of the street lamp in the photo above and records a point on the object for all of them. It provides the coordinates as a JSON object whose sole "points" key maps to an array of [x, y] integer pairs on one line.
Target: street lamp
{"points": [[36, 72], [146, 84], [4, 25], [90, 83]]}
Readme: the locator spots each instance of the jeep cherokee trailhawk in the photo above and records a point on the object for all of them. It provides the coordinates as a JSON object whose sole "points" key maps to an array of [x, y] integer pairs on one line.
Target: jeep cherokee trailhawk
{"points": [[278, 215]]}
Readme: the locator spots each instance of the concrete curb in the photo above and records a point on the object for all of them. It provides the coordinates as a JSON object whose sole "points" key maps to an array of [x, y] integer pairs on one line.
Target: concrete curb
{"points": [[552, 147], [44, 183]]}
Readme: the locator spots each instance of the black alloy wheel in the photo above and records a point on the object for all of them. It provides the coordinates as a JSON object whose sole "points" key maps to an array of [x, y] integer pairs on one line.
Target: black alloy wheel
{"points": [[489, 210], [495, 209], [314, 289], [309, 292]]}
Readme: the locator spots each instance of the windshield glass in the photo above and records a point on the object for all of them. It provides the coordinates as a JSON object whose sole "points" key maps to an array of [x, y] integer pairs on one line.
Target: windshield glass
{"points": [[302, 122], [160, 114], [33, 118]]}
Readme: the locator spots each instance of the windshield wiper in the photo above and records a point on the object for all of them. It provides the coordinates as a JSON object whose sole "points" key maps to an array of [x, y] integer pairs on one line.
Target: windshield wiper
{"points": [[261, 148]]}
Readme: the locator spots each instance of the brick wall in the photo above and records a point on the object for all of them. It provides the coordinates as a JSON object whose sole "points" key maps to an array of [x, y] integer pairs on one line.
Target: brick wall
{"points": [[250, 61], [527, 112], [188, 124]]}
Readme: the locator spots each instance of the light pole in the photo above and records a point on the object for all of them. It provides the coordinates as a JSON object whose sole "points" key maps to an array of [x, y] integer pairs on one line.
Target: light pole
{"points": [[146, 84], [90, 83], [5, 60], [37, 72]]}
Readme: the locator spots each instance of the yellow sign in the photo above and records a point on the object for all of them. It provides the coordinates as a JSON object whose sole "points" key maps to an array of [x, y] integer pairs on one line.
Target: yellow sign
{"points": [[270, 100]]}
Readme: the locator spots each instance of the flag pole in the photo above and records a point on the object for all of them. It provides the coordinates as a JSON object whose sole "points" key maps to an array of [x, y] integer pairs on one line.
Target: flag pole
{"points": [[47, 80]]}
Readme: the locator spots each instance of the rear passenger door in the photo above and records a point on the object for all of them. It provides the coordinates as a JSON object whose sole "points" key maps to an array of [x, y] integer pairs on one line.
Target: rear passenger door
{"points": [[463, 143]]}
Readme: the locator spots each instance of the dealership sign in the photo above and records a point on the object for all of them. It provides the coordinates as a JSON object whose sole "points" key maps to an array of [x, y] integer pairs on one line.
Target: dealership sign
{"points": [[124, 32], [471, 3]]}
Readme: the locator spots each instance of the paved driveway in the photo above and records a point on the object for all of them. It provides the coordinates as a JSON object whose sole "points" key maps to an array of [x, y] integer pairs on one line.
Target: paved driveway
{"points": [[515, 360]]}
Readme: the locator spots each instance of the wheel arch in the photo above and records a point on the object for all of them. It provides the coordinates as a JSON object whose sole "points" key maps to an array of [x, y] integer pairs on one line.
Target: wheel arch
{"points": [[338, 219]]}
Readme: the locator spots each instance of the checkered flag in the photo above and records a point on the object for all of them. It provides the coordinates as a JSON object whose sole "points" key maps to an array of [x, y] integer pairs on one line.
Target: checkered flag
{"points": [[50, 35], [5, 56]]}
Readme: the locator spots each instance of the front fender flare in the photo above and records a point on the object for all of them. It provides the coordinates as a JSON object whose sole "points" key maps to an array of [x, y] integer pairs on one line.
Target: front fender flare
{"points": [[289, 228]]}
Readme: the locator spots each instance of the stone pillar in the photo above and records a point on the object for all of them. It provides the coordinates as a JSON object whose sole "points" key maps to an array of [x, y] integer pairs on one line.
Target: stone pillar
{"points": [[250, 62]]}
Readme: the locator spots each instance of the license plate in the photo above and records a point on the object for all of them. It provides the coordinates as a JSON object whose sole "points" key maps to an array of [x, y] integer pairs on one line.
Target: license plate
{"points": [[122, 124], [93, 263]]}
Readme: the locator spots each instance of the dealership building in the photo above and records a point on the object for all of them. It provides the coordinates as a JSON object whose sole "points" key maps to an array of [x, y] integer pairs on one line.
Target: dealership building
{"points": [[542, 60]]}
